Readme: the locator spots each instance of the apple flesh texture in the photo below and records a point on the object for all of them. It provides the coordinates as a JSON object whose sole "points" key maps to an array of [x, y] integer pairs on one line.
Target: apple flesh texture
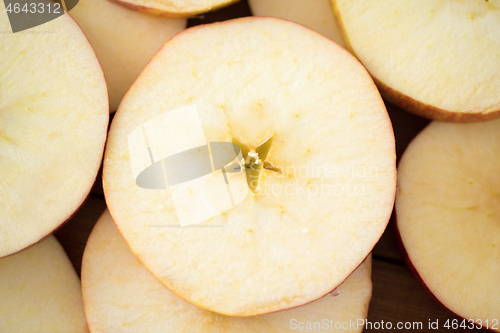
{"points": [[53, 123], [315, 14], [40, 291], [174, 8], [448, 214], [438, 59], [252, 79], [124, 41], [121, 295]]}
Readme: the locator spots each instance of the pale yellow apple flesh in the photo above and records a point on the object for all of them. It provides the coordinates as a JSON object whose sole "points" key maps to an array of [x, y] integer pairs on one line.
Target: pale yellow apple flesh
{"points": [[301, 232], [174, 8], [120, 295], [124, 41], [40, 291], [53, 123], [436, 58], [315, 14], [448, 215]]}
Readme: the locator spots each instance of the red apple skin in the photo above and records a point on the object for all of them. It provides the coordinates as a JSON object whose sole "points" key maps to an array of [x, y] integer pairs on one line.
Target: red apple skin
{"points": [[428, 111], [414, 271], [52, 232], [156, 12], [66, 220], [409, 104]]}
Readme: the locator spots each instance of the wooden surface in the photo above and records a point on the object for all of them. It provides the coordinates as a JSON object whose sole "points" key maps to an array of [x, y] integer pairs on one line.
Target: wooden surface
{"points": [[397, 295]]}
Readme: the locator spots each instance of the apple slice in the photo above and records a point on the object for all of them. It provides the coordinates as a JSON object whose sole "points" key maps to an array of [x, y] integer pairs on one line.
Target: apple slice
{"points": [[124, 41], [53, 123], [174, 8], [40, 291], [315, 14], [301, 116], [438, 59], [448, 216], [121, 295]]}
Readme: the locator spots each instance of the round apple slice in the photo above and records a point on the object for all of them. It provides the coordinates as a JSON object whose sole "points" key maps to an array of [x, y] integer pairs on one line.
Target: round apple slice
{"points": [[121, 295], [448, 216], [124, 41], [438, 59], [315, 14], [174, 8], [40, 291], [307, 130], [53, 123]]}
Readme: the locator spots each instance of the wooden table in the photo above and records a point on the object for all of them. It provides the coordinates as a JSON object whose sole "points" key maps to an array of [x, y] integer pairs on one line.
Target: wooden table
{"points": [[397, 295]]}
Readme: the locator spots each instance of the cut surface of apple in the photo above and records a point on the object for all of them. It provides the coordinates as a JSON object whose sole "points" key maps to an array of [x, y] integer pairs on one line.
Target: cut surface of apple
{"points": [[121, 295], [53, 123], [448, 215], [306, 121], [315, 14], [40, 291], [124, 41], [174, 8], [438, 59]]}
